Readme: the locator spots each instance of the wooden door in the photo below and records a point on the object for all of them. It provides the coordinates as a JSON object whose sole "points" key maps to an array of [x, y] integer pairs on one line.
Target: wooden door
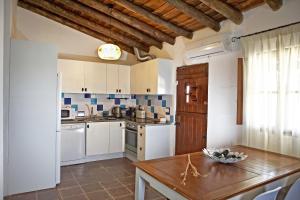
{"points": [[72, 75], [124, 79], [95, 77], [112, 79], [191, 113]]}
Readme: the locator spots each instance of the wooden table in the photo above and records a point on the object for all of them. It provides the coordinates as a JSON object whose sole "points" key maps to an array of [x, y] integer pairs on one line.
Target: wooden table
{"points": [[261, 171]]}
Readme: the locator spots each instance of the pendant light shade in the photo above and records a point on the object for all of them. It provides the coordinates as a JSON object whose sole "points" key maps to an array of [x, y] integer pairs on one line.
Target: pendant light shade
{"points": [[109, 52]]}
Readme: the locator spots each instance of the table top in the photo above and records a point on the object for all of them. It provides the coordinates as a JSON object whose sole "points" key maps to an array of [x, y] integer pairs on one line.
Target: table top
{"points": [[223, 180]]}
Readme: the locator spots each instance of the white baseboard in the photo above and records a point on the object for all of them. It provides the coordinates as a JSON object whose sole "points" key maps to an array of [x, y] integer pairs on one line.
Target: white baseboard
{"points": [[93, 158]]}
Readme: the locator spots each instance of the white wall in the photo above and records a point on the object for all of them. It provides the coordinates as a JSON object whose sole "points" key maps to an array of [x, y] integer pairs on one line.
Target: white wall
{"points": [[1, 93], [70, 42], [222, 129]]}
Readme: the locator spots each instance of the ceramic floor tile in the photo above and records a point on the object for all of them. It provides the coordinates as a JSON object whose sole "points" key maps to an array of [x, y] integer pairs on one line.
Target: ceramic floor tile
{"points": [[102, 180], [68, 192], [99, 195], [118, 191], [92, 187], [77, 197], [25, 196], [51, 194]]}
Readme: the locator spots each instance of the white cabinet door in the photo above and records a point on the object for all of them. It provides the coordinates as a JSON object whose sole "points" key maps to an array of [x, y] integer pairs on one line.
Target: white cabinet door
{"points": [[95, 77], [124, 79], [97, 138], [139, 79], [150, 81], [72, 75], [112, 79], [116, 137]]}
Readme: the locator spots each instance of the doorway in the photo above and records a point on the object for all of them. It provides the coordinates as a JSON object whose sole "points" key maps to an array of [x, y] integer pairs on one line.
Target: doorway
{"points": [[191, 111]]}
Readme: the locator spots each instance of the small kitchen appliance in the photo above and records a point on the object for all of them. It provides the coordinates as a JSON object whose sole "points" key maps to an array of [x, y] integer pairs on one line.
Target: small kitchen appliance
{"points": [[116, 112]]}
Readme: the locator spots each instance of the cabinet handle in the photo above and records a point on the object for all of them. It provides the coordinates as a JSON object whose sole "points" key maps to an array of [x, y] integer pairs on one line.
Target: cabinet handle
{"points": [[116, 90], [141, 148], [149, 90], [88, 126], [85, 89], [120, 90], [141, 134], [120, 124], [82, 89]]}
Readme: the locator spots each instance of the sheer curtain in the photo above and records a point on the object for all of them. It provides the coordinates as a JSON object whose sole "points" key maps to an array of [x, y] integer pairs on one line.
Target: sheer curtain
{"points": [[272, 90]]}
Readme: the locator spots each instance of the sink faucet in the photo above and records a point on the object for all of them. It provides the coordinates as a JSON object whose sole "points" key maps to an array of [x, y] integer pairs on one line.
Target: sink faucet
{"points": [[89, 110]]}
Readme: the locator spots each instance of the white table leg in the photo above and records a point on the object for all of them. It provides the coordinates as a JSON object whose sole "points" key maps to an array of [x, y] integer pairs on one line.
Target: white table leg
{"points": [[139, 186]]}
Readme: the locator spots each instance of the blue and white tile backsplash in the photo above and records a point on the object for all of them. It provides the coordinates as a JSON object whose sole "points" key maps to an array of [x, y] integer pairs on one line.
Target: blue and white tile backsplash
{"points": [[156, 106]]}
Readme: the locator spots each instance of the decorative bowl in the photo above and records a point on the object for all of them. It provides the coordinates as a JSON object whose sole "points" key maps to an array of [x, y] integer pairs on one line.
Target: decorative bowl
{"points": [[224, 155]]}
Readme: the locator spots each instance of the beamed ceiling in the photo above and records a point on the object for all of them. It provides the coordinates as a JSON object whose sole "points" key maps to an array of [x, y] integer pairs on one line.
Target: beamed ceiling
{"points": [[143, 23]]}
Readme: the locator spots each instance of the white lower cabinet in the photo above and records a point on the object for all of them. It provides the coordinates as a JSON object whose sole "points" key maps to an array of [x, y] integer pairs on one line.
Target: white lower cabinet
{"points": [[153, 142], [104, 138], [97, 138], [116, 137]]}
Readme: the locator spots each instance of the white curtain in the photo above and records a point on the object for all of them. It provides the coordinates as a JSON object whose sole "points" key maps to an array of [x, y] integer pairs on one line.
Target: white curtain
{"points": [[272, 90]]}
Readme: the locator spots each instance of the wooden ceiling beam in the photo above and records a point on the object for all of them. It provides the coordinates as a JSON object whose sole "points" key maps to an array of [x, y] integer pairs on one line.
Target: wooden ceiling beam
{"points": [[224, 9], [86, 23], [147, 14], [195, 13], [72, 25], [274, 4], [89, 13], [101, 7]]}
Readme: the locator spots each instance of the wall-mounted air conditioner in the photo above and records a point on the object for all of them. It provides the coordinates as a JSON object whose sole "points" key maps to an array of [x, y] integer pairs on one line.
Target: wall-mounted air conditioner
{"points": [[211, 46], [205, 50]]}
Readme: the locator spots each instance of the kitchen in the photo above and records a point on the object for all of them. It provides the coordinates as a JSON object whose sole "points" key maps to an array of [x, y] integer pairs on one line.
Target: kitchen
{"points": [[82, 124]]}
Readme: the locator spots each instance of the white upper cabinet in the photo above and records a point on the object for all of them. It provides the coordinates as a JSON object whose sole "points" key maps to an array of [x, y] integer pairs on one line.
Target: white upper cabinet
{"points": [[80, 76], [72, 75], [124, 79], [118, 79], [153, 77], [95, 77], [112, 79]]}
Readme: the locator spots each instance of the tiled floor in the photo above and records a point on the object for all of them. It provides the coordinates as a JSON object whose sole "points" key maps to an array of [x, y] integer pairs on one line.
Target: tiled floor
{"points": [[109, 179]]}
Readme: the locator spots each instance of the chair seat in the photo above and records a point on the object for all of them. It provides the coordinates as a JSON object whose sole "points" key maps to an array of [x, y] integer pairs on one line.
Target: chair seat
{"points": [[269, 195]]}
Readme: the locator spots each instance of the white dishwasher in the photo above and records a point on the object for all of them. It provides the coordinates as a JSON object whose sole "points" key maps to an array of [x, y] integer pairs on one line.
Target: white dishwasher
{"points": [[72, 142]]}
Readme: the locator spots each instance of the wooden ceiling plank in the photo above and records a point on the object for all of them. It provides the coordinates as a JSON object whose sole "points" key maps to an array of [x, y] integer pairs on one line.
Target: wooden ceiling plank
{"points": [[274, 4], [72, 25], [93, 14], [195, 13], [129, 20], [147, 14], [224, 9], [86, 23]]}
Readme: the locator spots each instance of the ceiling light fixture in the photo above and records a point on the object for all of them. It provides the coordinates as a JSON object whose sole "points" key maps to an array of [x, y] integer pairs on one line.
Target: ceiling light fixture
{"points": [[109, 51]]}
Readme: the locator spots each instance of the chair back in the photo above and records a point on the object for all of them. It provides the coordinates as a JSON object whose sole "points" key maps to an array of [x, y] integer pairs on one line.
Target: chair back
{"points": [[269, 195], [294, 191]]}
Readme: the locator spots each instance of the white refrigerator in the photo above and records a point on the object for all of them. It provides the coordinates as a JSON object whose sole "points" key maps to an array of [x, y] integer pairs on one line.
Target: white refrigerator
{"points": [[34, 118]]}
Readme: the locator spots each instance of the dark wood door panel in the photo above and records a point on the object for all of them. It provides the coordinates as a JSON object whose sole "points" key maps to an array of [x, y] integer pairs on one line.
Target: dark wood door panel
{"points": [[190, 132], [192, 95]]}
